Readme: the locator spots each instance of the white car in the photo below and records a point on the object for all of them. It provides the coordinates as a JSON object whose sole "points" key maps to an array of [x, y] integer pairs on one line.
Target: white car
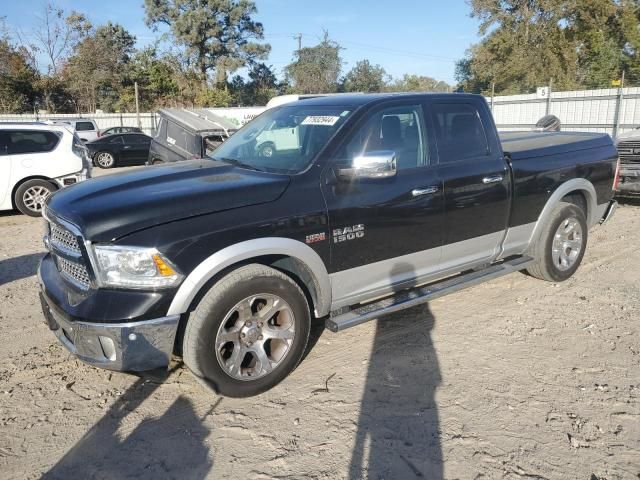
{"points": [[86, 128], [35, 160]]}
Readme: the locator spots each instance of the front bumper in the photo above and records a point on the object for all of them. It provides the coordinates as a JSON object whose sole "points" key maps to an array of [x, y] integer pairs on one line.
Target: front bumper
{"points": [[128, 346]]}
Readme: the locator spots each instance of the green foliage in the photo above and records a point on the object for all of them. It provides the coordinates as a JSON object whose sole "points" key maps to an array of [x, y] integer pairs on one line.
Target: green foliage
{"points": [[418, 83], [96, 74], [365, 77], [578, 44], [315, 69], [217, 35], [213, 97], [261, 87], [17, 79]]}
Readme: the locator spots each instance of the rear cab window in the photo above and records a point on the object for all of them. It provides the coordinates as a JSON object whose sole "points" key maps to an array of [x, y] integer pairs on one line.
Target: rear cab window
{"points": [[30, 141], [85, 126]]}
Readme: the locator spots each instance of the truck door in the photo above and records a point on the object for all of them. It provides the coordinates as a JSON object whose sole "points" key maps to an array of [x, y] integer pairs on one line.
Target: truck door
{"points": [[385, 232], [476, 181]]}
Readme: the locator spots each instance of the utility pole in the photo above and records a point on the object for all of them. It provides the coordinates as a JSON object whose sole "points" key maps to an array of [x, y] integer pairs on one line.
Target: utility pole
{"points": [[549, 97], [493, 93], [616, 130], [299, 38], [135, 85]]}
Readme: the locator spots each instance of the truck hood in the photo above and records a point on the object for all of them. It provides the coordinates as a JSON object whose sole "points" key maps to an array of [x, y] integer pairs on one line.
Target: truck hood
{"points": [[112, 206]]}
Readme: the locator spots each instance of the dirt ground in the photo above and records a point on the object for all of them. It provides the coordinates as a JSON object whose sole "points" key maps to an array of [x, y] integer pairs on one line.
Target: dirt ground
{"points": [[513, 379]]}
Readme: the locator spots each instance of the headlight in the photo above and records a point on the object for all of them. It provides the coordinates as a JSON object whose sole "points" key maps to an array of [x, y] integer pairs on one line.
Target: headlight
{"points": [[133, 267]]}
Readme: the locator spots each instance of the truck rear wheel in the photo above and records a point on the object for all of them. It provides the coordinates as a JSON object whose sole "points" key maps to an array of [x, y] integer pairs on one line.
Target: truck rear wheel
{"points": [[561, 245], [248, 332]]}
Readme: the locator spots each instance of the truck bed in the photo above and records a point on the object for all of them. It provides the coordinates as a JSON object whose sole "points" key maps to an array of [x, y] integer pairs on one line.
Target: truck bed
{"points": [[519, 145]]}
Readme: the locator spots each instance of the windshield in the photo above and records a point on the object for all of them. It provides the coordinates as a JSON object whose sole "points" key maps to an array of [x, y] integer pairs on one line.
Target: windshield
{"points": [[284, 139]]}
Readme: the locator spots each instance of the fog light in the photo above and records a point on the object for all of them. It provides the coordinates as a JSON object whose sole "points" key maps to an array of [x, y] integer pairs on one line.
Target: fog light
{"points": [[108, 347]]}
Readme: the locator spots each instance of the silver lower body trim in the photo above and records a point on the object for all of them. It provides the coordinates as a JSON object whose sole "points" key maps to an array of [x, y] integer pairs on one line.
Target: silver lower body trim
{"points": [[131, 346]]}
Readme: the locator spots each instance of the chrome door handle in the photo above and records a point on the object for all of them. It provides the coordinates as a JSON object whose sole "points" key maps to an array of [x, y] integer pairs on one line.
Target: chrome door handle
{"points": [[417, 192], [492, 179]]}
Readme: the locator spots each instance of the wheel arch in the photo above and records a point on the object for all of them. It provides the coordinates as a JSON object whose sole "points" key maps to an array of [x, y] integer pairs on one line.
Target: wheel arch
{"points": [[292, 257], [576, 187], [26, 179]]}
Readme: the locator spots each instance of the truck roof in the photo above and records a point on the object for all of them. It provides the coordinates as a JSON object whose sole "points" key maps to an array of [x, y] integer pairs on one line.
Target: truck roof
{"points": [[357, 100]]}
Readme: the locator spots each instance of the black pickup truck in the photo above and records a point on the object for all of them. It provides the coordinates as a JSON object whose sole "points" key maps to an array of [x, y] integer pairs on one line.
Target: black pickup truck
{"points": [[368, 204]]}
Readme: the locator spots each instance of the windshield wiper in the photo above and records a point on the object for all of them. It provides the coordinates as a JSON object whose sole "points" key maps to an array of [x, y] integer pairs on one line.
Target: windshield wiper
{"points": [[238, 163]]}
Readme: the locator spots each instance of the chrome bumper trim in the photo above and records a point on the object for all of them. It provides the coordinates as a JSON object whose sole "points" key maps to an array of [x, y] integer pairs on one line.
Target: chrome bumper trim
{"points": [[131, 346]]}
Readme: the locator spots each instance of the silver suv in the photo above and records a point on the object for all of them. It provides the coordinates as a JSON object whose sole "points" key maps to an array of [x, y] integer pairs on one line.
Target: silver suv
{"points": [[86, 129]]}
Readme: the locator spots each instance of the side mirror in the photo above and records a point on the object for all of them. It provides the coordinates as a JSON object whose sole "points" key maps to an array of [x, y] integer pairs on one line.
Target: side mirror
{"points": [[375, 164]]}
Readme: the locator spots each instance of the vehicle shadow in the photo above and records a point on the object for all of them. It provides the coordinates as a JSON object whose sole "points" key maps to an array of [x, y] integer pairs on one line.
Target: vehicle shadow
{"points": [[170, 446], [17, 268], [398, 432], [633, 201]]}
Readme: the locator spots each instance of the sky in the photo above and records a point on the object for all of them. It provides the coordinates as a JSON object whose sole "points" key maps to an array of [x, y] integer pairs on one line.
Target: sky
{"points": [[418, 37]]}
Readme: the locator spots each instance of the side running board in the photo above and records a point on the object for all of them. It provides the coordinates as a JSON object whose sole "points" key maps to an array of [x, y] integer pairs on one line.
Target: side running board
{"points": [[340, 320]]}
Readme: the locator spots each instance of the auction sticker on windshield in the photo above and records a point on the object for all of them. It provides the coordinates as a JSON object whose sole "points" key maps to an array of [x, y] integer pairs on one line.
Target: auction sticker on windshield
{"points": [[320, 120]]}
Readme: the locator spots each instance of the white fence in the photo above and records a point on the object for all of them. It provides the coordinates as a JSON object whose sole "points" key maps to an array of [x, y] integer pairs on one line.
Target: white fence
{"points": [[148, 121], [611, 111]]}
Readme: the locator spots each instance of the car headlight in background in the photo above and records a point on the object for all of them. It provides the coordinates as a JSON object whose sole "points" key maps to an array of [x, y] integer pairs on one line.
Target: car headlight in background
{"points": [[133, 267]]}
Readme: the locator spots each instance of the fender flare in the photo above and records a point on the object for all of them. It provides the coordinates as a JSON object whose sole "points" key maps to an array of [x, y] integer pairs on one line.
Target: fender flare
{"points": [[574, 185], [247, 250]]}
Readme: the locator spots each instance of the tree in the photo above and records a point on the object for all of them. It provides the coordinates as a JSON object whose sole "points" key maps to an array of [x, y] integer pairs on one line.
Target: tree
{"points": [[418, 83], [364, 77], [18, 79], [527, 42], [261, 87], [57, 35], [315, 69], [217, 35], [156, 78], [96, 74]]}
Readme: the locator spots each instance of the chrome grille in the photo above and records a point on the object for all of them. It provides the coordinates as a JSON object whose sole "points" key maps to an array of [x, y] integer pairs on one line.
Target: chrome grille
{"points": [[75, 272], [63, 239], [629, 151], [64, 245]]}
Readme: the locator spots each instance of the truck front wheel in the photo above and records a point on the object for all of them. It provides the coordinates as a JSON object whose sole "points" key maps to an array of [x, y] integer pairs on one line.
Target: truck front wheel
{"points": [[561, 245], [248, 332]]}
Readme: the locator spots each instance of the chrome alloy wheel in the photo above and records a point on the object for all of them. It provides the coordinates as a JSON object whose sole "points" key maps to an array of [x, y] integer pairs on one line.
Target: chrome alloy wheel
{"points": [[567, 244], [34, 197], [255, 336], [105, 159]]}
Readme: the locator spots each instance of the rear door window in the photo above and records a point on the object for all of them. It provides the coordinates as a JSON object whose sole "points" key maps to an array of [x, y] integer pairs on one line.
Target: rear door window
{"points": [[138, 139], [31, 141], [460, 133], [84, 126]]}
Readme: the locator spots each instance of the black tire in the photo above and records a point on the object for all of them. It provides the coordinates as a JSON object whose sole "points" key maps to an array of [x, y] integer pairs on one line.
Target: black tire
{"points": [[104, 164], [204, 324], [546, 268], [24, 196]]}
